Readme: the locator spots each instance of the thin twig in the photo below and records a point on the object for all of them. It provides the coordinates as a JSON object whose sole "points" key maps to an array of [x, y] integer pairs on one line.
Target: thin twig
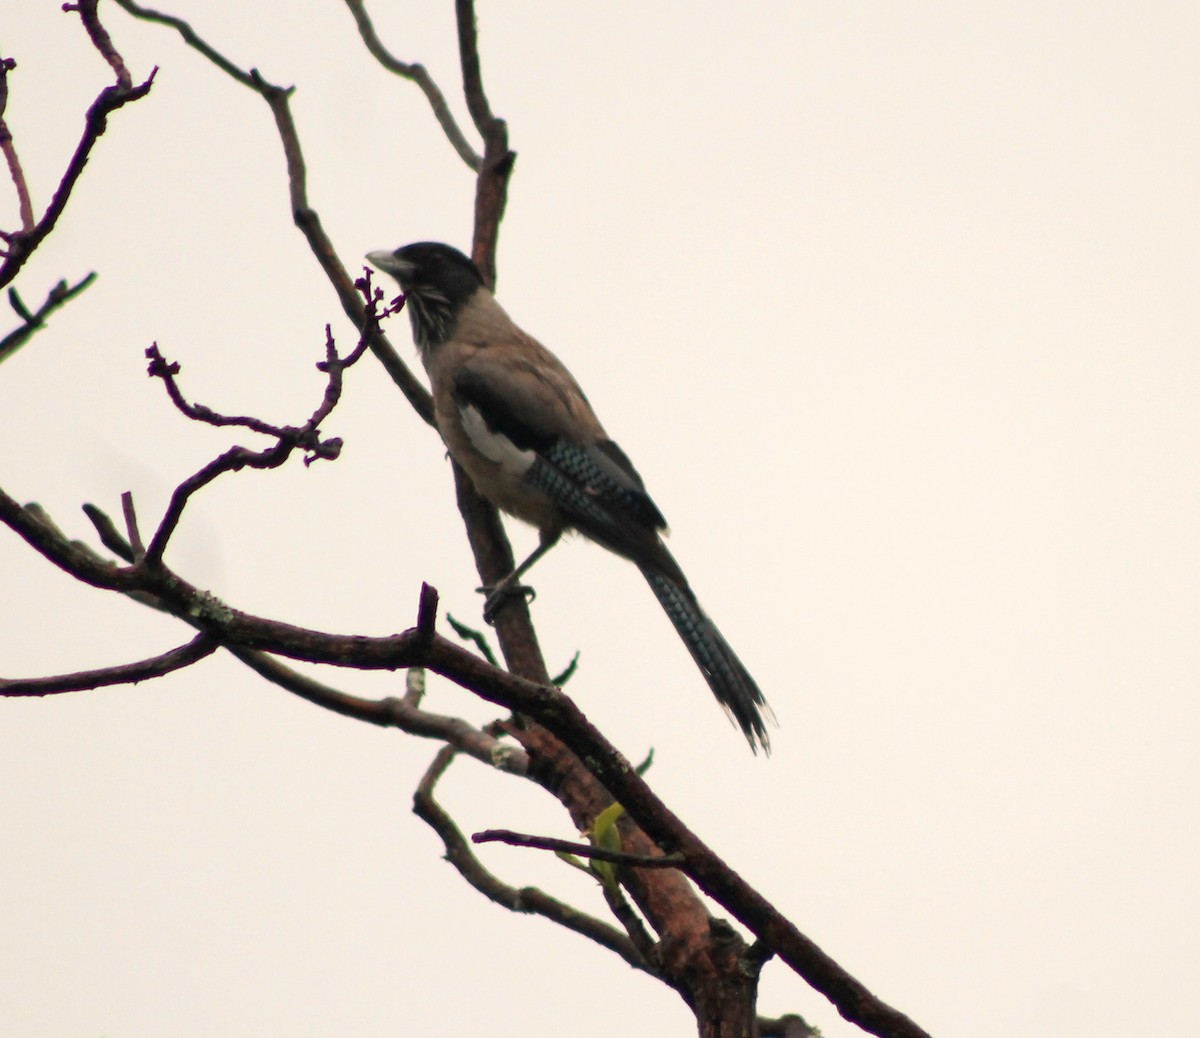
{"points": [[305, 435], [525, 899], [635, 929], [401, 713], [132, 532], [43, 520], [304, 216], [24, 203], [582, 850], [124, 674], [34, 320], [190, 37], [233, 460], [468, 53], [418, 74], [288, 438], [21, 244], [101, 40], [110, 536], [491, 186]]}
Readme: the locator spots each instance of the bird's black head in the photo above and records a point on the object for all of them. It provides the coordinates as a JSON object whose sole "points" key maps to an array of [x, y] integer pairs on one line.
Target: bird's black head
{"points": [[437, 281]]}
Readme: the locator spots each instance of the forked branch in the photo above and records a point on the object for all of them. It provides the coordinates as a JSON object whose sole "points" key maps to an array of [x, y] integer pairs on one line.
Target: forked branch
{"points": [[33, 320], [418, 74], [516, 899], [304, 216], [22, 243]]}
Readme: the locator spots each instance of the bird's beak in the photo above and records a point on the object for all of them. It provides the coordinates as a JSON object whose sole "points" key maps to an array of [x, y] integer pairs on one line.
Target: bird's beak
{"points": [[390, 263]]}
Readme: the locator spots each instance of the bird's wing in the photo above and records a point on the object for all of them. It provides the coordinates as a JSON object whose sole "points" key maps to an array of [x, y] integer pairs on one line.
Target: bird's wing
{"points": [[541, 411], [531, 404]]}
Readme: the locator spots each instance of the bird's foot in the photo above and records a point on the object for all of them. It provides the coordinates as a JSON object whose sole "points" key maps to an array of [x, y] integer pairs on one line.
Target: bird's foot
{"points": [[499, 595]]}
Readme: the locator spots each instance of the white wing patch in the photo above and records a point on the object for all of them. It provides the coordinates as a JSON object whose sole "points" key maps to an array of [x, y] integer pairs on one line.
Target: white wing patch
{"points": [[493, 445]]}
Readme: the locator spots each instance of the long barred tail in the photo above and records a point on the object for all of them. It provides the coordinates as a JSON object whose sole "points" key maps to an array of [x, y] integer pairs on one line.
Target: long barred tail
{"points": [[732, 684]]}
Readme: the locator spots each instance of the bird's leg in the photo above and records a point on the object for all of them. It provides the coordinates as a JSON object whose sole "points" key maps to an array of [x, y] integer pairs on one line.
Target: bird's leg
{"points": [[510, 587]]}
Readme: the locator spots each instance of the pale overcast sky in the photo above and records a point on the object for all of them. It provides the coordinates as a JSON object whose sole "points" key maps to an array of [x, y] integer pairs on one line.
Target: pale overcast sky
{"points": [[894, 306]]}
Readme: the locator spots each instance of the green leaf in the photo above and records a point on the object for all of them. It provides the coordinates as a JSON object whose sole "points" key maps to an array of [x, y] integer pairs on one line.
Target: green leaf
{"points": [[604, 830], [562, 678], [573, 861]]}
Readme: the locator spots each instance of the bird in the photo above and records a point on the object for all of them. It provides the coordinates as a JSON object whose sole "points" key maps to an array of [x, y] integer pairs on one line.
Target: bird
{"points": [[519, 425]]}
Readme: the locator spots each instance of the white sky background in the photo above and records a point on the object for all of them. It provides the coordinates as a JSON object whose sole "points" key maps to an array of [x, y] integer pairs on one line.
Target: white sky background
{"points": [[895, 307]]}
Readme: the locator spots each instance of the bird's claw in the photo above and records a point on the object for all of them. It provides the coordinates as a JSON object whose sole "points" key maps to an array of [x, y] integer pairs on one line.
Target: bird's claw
{"points": [[500, 595]]}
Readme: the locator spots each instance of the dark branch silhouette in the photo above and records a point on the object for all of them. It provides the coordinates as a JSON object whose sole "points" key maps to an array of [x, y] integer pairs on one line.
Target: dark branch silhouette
{"points": [[21, 244], [123, 674], [583, 850], [288, 439], [305, 217], [418, 74], [523, 899], [546, 705], [669, 931], [24, 202], [34, 320]]}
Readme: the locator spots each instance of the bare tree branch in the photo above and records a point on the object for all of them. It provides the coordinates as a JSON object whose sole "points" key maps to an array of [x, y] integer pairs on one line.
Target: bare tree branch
{"points": [[124, 674], [468, 51], [137, 549], [24, 203], [524, 899], [101, 40], [582, 850], [190, 37], [635, 929], [288, 438], [392, 713], [21, 244], [304, 216], [549, 707], [491, 187], [34, 320], [106, 529], [404, 713], [419, 75]]}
